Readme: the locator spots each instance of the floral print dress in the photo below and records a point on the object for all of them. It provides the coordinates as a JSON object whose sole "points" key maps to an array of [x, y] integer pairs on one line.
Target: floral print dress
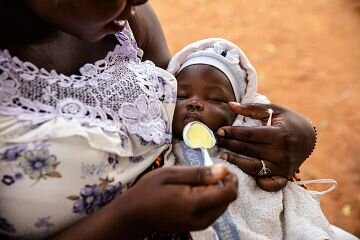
{"points": [[70, 144]]}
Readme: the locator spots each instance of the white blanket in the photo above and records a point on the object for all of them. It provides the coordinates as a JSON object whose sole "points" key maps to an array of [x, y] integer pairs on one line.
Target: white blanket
{"points": [[292, 213]]}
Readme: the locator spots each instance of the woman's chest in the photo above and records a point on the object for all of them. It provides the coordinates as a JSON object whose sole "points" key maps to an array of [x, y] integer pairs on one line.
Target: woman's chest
{"points": [[63, 53]]}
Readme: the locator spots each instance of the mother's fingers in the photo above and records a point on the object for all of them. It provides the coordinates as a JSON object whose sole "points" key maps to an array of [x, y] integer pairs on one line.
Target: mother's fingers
{"points": [[254, 110], [210, 202], [194, 175], [252, 166], [252, 150], [255, 146], [213, 196], [271, 183], [260, 134]]}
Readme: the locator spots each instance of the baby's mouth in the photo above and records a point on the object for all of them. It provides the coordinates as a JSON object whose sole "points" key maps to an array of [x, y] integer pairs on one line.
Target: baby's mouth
{"points": [[191, 117]]}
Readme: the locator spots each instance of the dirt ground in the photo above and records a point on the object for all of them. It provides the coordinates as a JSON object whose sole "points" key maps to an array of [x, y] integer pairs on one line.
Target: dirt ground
{"points": [[307, 55]]}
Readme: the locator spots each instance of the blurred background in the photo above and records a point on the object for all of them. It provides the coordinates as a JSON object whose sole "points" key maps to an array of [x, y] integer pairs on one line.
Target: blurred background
{"points": [[307, 55]]}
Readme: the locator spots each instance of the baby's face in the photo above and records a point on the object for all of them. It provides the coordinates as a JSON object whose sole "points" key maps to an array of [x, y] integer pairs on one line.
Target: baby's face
{"points": [[203, 94]]}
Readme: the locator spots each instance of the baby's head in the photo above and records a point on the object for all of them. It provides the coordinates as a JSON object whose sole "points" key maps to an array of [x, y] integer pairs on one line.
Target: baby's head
{"points": [[210, 73]]}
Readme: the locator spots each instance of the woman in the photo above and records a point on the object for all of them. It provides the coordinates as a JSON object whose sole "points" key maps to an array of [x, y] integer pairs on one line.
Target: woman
{"points": [[81, 116]]}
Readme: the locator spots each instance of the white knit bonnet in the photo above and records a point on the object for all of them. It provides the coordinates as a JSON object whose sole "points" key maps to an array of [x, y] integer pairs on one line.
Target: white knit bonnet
{"points": [[225, 56]]}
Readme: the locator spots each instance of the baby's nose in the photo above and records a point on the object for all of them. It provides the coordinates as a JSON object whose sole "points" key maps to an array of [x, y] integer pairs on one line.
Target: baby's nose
{"points": [[195, 105]]}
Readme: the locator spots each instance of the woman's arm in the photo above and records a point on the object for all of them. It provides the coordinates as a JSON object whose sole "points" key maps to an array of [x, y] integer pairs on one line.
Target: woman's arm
{"points": [[150, 36], [176, 199]]}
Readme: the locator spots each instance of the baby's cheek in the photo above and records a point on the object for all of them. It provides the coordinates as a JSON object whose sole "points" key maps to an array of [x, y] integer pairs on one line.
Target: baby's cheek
{"points": [[179, 108], [217, 118], [230, 115]]}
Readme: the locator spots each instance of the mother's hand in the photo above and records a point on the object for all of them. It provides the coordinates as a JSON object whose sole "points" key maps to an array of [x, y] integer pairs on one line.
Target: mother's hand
{"points": [[283, 146], [174, 200], [179, 199]]}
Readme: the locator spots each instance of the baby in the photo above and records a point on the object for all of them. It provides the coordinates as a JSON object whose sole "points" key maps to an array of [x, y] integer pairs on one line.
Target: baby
{"points": [[211, 73]]}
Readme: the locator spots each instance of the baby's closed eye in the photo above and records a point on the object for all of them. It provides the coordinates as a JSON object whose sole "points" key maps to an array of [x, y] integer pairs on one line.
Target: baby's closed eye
{"points": [[217, 100]]}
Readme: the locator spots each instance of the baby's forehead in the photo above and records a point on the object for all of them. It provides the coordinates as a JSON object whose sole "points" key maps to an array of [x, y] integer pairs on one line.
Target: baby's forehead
{"points": [[201, 68], [209, 75]]}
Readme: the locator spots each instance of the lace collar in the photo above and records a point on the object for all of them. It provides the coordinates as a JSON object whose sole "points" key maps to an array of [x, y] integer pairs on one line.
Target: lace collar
{"points": [[118, 93]]}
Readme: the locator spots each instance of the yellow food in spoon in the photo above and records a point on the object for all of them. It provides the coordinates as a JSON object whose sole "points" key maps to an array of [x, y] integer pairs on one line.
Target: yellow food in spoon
{"points": [[198, 136]]}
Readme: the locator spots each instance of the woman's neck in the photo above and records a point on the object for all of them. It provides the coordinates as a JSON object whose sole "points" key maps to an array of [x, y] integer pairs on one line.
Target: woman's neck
{"points": [[19, 25]]}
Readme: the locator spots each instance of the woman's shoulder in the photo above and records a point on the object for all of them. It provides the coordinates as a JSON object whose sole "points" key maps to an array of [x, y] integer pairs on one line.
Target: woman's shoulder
{"points": [[149, 35]]}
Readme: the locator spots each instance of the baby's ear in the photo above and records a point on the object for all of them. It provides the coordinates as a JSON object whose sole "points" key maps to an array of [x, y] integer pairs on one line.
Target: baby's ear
{"points": [[271, 183]]}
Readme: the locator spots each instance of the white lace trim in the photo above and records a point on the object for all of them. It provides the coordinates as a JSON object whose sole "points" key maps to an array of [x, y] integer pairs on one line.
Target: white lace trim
{"points": [[114, 92]]}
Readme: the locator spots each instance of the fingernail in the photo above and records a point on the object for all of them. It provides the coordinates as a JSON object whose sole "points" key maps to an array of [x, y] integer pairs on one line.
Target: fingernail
{"points": [[224, 156], [218, 170], [221, 132]]}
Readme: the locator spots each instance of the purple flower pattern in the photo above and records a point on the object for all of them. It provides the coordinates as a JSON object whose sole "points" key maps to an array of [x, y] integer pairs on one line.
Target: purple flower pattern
{"points": [[113, 160], [18, 176], [136, 159], [93, 197], [90, 200], [39, 164], [124, 140], [14, 152], [44, 222], [8, 180], [111, 192]]}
